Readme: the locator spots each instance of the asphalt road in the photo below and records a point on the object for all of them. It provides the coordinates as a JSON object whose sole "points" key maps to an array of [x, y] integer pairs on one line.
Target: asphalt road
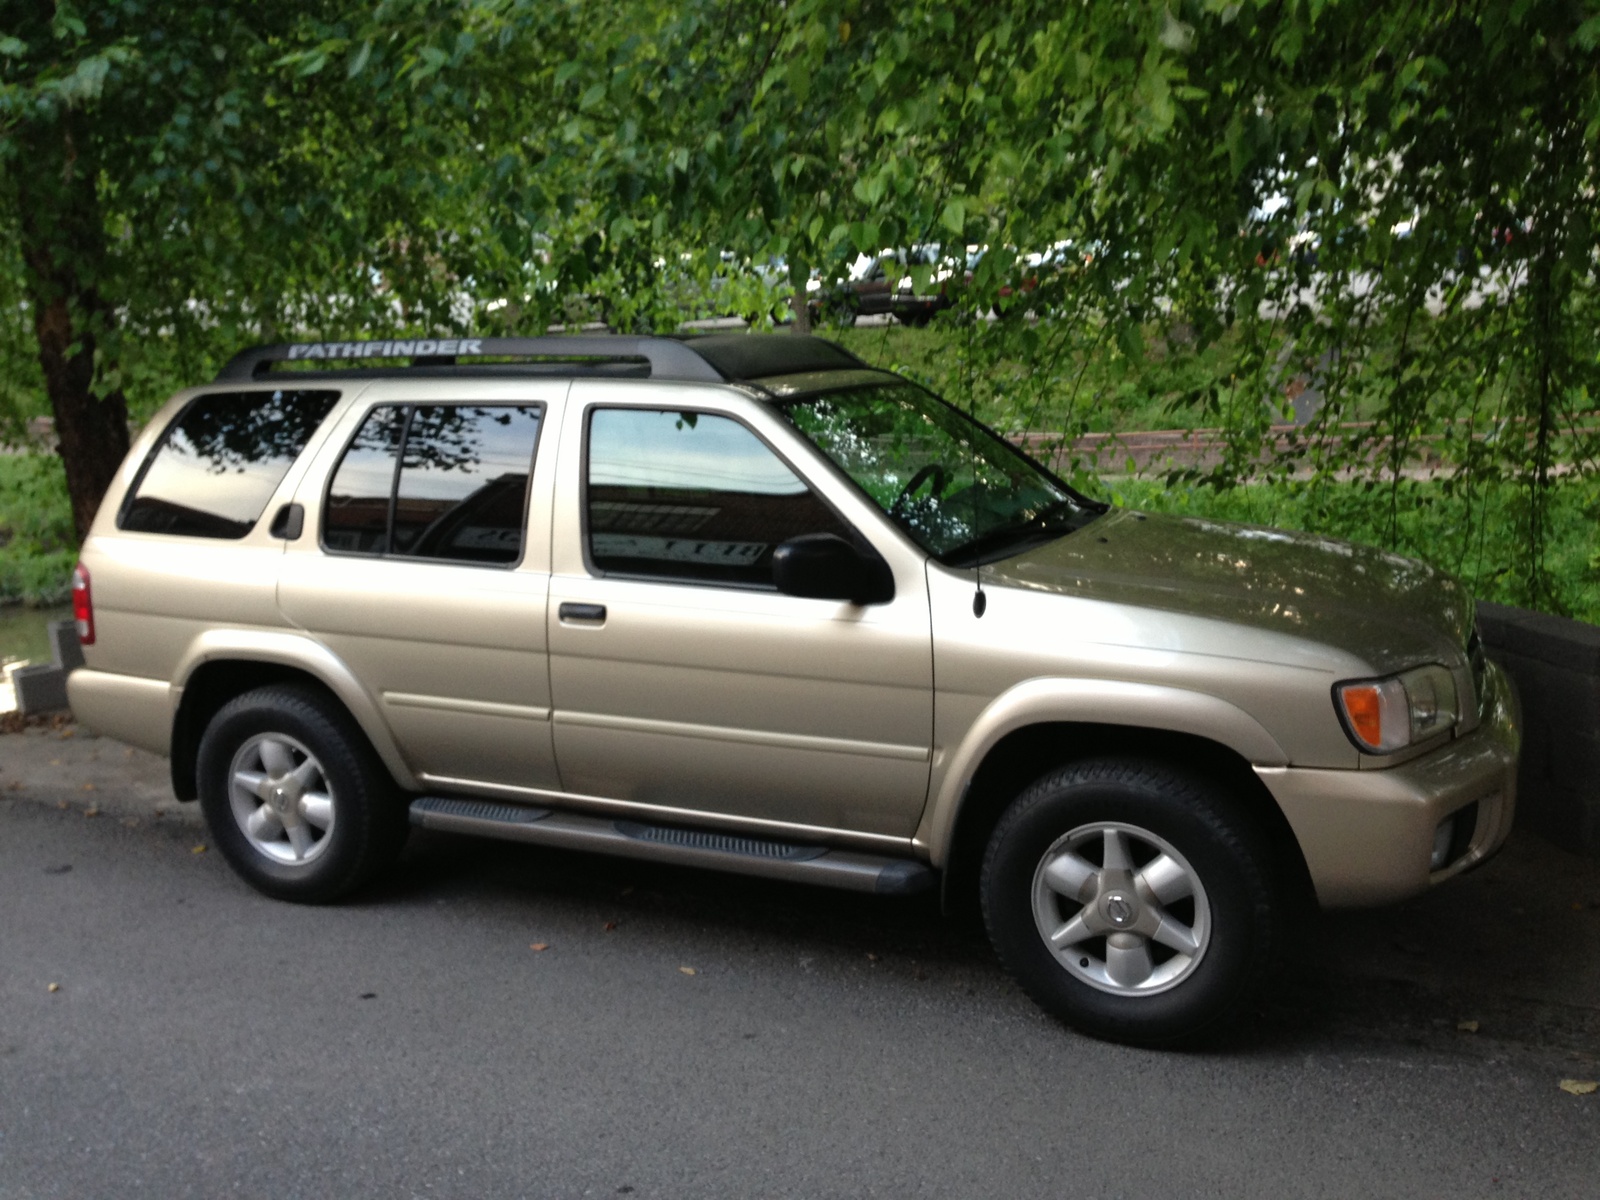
{"points": [[204, 1041]]}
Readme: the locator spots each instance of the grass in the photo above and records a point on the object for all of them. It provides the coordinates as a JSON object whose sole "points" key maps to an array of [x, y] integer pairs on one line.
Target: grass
{"points": [[37, 546]]}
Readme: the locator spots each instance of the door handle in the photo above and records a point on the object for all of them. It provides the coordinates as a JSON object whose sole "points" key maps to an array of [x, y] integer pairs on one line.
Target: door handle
{"points": [[590, 614]]}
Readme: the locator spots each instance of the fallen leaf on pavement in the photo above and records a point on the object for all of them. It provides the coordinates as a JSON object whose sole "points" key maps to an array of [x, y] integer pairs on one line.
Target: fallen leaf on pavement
{"points": [[91, 811], [1467, 1026], [1580, 1087], [198, 850], [66, 733], [687, 970], [538, 945], [56, 987], [610, 925], [88, 787]]}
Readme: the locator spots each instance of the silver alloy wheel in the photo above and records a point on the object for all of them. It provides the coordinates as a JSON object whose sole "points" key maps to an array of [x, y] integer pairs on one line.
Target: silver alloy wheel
{"points": [[1135, 923], [281, 799]]}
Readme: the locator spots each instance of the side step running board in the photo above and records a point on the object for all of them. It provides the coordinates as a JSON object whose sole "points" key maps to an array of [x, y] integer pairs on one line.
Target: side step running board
{"points": [[665, 843]]}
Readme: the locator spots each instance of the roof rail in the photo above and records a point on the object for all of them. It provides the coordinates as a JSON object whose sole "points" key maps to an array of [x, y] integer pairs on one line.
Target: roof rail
{"points": [[706, 358], [668, 358]]}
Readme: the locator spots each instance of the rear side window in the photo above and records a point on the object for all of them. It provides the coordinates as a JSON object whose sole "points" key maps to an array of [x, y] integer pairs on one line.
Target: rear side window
{"points": [[440, 481], [218, 464]]}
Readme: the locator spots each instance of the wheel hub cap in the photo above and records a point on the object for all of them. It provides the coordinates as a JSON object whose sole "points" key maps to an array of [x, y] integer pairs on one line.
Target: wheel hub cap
{"points": [[280, 798], [1121, 909], [1118, 909]]}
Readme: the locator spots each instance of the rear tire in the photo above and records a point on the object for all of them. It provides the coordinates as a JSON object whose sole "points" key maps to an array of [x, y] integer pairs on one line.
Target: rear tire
{"points": [[1133, 900], [294, 796]]}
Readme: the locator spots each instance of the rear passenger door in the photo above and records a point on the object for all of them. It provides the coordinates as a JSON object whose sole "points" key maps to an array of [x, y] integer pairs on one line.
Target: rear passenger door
{"points": [[420, 569]]}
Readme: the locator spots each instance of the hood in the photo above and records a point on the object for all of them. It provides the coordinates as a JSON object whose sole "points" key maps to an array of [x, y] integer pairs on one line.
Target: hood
{"points": [[1391, 611]]}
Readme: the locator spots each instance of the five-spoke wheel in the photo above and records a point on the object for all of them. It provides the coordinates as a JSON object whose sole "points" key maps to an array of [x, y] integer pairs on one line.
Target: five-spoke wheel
{"points": [[1122, 908], [294, 795], [1134, 899], [281, 798]]}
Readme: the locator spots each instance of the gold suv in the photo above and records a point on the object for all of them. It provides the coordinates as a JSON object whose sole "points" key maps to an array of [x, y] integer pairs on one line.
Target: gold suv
{"points": [[748, 603]]}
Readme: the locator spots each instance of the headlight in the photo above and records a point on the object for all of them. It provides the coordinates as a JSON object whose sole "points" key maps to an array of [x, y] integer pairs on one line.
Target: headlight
{"points": [[1385, 715]]}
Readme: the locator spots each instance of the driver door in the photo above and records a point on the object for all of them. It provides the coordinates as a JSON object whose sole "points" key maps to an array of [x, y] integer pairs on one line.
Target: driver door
{"points": [[682, 681]]}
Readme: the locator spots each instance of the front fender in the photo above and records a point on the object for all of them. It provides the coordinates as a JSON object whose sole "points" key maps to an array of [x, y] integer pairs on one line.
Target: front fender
{"points": [[1087, 701], [302, 653]]}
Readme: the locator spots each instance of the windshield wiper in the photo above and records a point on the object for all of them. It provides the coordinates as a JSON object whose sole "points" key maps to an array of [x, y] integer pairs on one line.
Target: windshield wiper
{"points": [[1059, 519]]}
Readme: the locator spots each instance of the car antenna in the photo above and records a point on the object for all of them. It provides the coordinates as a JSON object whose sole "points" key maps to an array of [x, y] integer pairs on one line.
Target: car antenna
{"points": [[980, 602]]}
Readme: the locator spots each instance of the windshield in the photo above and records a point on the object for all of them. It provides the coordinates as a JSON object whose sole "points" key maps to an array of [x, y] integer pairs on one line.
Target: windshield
{"points": [[963, 494]]}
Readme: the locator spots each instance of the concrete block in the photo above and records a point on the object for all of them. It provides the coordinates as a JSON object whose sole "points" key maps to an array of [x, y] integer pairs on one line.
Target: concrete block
{"points": [[1555, 640], [64, 645], [1555, 665], [1554, 698], [39, 689]]}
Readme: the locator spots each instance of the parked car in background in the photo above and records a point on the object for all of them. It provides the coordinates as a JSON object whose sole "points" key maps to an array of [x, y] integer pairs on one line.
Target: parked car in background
{"points": [[883, 284]]}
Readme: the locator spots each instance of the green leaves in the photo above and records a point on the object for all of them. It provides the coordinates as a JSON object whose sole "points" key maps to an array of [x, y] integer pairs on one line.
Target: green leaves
{"points": [[1272, 184], [359, 60]]}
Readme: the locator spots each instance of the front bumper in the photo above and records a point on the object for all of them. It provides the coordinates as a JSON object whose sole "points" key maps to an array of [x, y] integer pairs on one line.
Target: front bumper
{"points": [[1367, 835]]}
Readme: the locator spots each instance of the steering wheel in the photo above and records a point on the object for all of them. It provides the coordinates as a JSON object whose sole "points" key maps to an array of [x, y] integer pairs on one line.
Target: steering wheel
{"points": [[933, 471]]}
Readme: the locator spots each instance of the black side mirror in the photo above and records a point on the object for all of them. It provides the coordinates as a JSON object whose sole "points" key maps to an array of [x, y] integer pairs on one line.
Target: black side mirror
{"points": [[823, 566]]}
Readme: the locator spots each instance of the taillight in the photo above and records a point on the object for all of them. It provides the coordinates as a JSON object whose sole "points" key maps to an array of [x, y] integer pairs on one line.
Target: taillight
{"points": [[82, 605]]}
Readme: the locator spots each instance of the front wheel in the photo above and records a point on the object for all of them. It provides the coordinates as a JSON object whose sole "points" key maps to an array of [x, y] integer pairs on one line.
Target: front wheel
{"points": [[294, 796], [1132, 900]]}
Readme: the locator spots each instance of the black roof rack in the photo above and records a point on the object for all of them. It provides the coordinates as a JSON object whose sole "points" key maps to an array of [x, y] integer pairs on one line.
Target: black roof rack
{"points": [[709, 358]]}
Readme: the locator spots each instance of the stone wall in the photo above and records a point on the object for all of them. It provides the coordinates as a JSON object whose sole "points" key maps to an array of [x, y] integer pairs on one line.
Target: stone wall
{"points": [[1555, 664]]}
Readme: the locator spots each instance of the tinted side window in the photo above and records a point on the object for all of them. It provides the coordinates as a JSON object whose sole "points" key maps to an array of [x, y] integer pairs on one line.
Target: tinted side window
{"points": [[458, 491], [356, 517], [692, 496], [217, 465], [464, 483]]}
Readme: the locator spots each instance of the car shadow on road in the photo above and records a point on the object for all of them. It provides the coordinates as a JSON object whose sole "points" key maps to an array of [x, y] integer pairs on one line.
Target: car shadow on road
{"points": [[1440, 969]]}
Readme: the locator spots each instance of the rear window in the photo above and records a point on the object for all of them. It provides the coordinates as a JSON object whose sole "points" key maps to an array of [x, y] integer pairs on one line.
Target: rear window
{"points": [[218, 464]]}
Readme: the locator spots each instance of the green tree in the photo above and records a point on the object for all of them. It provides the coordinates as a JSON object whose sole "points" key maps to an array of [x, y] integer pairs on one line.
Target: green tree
{"points": [[180, 178]]}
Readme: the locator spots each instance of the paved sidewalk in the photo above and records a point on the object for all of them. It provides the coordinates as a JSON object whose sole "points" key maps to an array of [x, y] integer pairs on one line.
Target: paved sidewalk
{"points": [[1513, 946], [67, 766]]}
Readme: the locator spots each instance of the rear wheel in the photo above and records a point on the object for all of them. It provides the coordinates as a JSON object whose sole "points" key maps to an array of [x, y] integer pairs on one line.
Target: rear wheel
{"points": [[1132, 900], [294, 796]]}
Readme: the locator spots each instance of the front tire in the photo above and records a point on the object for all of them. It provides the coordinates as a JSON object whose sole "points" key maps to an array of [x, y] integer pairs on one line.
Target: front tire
{"points": [[294, 796], [1133, 900]]}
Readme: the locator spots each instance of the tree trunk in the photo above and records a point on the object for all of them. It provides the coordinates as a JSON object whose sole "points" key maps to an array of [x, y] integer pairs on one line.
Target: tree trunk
{"points": [[64, 257], [800, 302]]}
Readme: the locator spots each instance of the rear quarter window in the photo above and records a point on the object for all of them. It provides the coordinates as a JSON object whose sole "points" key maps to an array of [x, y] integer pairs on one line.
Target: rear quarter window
{"points": [[216, 466]]}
